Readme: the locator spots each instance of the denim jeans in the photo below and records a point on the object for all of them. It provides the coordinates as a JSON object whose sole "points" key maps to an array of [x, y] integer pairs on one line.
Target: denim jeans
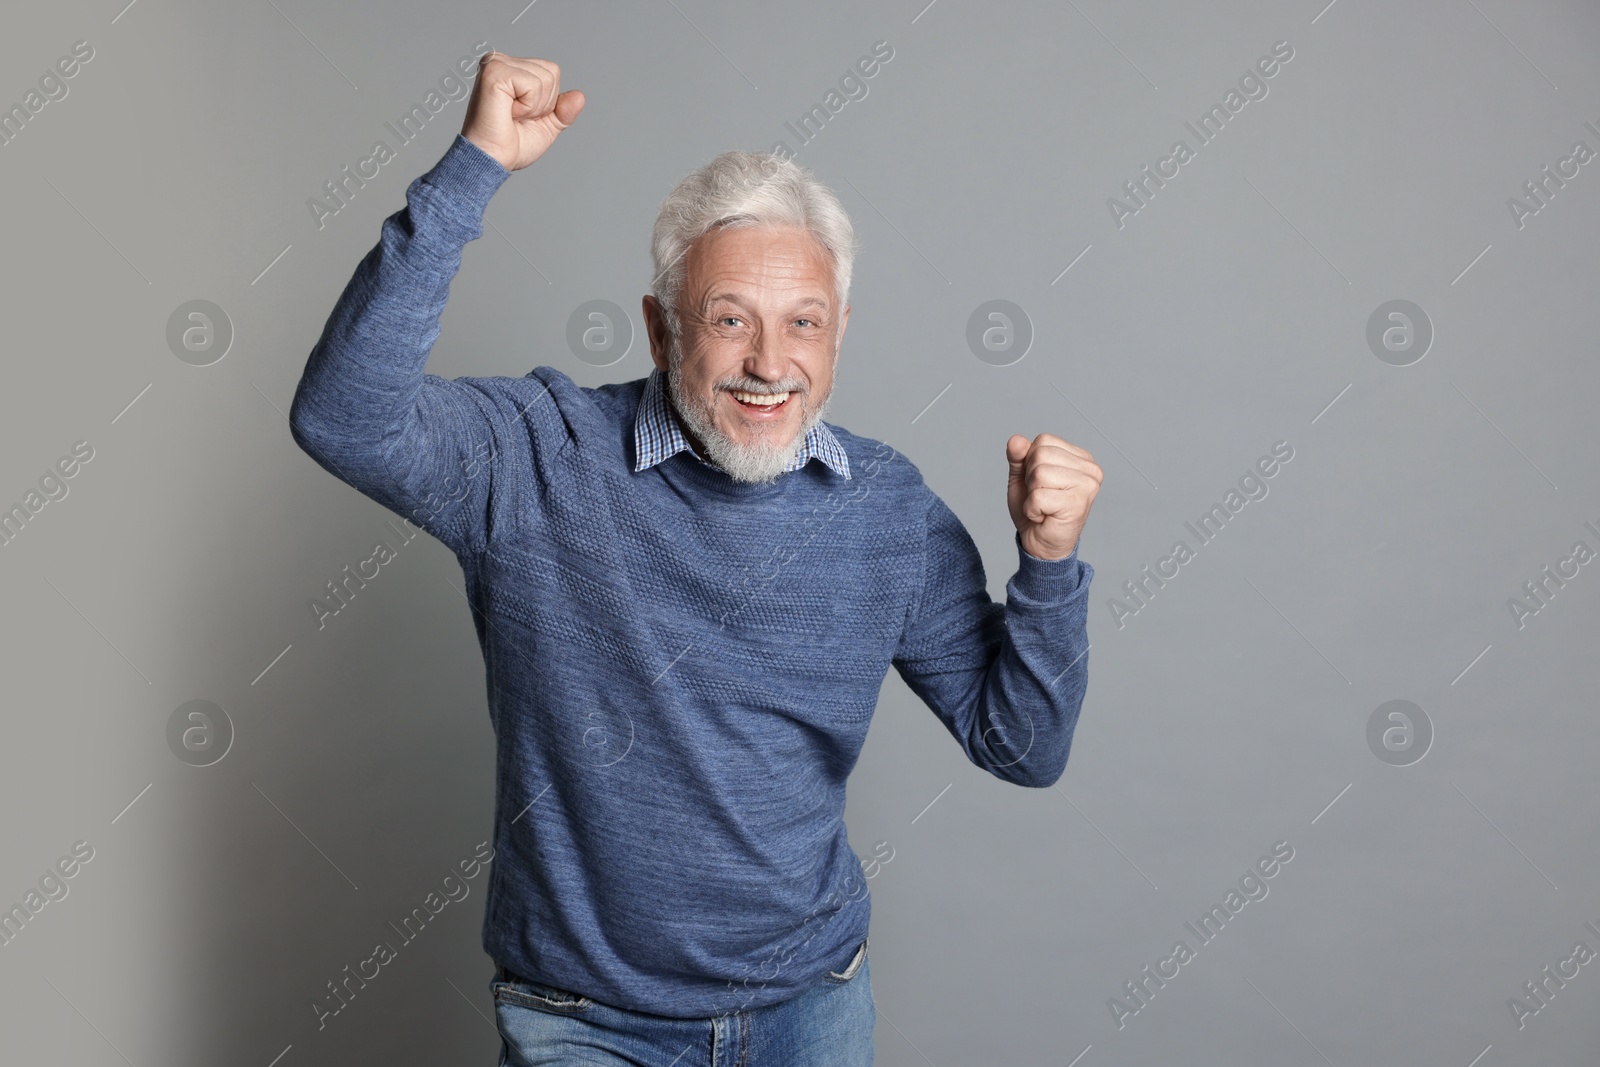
{"points": [[829, 1025]]}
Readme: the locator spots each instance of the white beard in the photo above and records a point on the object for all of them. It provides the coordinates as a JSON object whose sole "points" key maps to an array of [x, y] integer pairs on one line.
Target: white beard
{"points": [[758, 463]]}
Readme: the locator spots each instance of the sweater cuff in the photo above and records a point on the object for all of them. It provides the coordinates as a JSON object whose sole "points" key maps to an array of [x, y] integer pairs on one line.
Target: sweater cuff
{"points": [[1046, 580], [468, 176]]}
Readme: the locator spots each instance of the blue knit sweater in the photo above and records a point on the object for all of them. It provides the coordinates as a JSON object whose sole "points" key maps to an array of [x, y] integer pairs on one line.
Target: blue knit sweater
{"points": [[681, 668]]}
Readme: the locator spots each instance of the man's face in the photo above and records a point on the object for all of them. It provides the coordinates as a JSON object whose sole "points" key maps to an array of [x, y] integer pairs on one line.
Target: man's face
{"points": [[759, 325]]}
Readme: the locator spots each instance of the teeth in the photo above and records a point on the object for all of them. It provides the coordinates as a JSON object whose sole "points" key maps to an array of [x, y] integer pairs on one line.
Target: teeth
{"points": [[763, 399]]}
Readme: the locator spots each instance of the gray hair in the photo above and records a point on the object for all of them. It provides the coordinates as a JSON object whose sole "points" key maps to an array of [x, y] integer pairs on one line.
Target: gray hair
{"points": [[747, 189]]}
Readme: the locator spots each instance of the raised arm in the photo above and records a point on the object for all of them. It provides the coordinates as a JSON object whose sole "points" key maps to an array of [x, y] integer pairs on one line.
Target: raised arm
{"points": [[1006, 680], [365, 409]]}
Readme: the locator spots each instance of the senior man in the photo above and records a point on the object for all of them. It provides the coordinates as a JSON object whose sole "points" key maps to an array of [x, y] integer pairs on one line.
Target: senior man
{"points": [[688, 589]]}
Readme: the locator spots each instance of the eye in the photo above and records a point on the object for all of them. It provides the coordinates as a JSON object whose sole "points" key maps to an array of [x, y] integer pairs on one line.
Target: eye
{"points": [[724, 320], [807, 321]]}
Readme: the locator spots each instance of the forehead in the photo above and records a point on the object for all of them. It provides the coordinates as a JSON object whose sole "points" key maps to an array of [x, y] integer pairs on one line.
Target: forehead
{"points": [[740, 262]]}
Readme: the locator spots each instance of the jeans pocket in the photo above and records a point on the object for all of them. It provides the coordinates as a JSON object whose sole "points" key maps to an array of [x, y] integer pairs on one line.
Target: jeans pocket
{"points": [[852, 968], [513, 989]]}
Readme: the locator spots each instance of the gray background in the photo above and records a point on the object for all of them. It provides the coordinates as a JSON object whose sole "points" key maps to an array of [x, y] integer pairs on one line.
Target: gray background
{"points": [[1229, 314]]}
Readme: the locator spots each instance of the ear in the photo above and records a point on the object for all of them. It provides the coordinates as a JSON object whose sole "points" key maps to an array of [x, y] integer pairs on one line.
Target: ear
{"points": [[655, 321], [844, 320]]}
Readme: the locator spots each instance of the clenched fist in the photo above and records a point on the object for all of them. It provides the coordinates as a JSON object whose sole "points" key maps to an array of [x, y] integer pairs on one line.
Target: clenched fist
{"points": [[1051, 487], [518, 108]]}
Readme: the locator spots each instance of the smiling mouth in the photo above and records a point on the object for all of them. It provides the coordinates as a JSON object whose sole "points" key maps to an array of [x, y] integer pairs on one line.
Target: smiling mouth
{"points": [[760, 403]]}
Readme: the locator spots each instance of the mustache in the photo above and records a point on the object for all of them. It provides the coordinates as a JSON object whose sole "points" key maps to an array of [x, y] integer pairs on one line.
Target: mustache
{"points": [[756, 385]]}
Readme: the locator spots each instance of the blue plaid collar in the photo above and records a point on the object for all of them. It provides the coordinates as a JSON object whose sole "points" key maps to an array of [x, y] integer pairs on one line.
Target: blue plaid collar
{"points": [[656, 435]]}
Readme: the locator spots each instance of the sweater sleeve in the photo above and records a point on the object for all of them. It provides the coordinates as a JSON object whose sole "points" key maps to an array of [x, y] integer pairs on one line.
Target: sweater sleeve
{"points": [[1006, 680], [419, 444]]}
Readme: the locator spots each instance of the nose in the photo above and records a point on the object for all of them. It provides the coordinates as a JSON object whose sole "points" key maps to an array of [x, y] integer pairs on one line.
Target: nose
{"points": [[768, 358]]}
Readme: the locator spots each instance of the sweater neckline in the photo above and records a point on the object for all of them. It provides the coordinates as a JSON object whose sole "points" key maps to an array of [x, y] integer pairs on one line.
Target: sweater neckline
{"points": [[719, 481]]}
